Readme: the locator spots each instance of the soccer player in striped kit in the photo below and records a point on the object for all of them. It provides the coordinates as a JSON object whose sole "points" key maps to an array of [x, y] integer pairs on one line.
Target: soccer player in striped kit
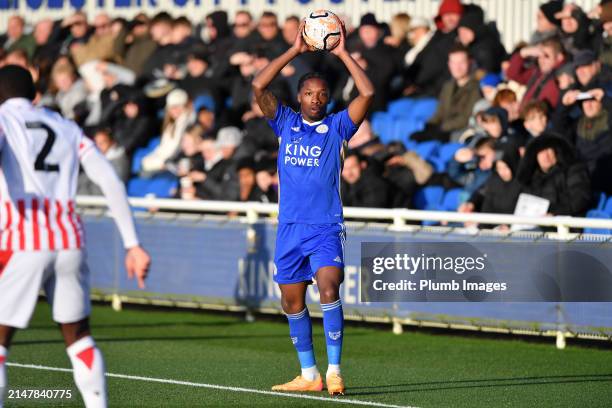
{"points": [[41, 239], [310, 236]]}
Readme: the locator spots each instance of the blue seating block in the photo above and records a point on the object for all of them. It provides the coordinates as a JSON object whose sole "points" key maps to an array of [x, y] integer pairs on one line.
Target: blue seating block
{"points": [[140, 153], [428, 198]]}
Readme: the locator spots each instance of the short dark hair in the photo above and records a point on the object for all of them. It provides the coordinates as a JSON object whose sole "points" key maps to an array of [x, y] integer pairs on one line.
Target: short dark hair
{"points": [[458, 47], [16, 82], [269, 14], [311, 75], [293, 18]]}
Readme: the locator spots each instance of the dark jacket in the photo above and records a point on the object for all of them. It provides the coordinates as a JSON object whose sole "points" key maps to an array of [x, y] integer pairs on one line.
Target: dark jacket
{"points": [[566, 185], [221, 183], [486, 49], [369, 191], [497, 195]]}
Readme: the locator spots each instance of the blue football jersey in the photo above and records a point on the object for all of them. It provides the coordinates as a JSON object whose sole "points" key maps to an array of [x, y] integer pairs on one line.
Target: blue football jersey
{"points": [[309, 165]]}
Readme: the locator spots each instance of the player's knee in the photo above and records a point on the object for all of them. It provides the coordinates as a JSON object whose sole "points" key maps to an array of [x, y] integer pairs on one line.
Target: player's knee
{"points": [[292, 306], [329, 293]]}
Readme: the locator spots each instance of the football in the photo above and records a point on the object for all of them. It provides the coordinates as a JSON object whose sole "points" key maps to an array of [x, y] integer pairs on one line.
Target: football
{"points": [[322, 30]]}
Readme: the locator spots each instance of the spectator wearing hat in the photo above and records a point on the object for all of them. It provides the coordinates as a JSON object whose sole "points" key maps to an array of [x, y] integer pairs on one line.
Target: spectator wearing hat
{"points": [[591, 132], [178, 116], [455, 102], [361, 186], [547, 25], [373, 55], [447, 21], [471, 166], [133, 126], [540, 78], [576, 30], [501, 191], [488, 89], [566, 78], [219, 179], [421, 76], [482, 42], [551, 170], [198, 80], [590, 73]]}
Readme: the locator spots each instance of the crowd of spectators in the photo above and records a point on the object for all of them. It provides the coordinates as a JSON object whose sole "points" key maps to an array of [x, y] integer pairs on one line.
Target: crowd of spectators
{"points": [[535, 119]]}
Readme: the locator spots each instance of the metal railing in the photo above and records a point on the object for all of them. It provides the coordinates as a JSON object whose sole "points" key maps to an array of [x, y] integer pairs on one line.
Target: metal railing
{"points": [[397, 217]]}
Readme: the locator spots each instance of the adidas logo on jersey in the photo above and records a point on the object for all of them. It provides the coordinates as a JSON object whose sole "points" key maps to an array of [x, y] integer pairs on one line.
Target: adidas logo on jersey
{"points": [[334, 335], [295, 128]]}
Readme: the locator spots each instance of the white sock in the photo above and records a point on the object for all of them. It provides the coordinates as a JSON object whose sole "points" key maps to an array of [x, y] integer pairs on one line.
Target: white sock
{"points": [[3, 381], [88, 366], [333, 369], [310, 373]]}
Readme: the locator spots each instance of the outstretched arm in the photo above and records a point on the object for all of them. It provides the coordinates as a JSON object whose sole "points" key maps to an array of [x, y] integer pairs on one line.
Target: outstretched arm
{"points": [[358, 108], [265, 99]]}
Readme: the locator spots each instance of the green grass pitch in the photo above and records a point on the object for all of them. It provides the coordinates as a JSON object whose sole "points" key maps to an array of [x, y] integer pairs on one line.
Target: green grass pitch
{"points": [[414, 369]]}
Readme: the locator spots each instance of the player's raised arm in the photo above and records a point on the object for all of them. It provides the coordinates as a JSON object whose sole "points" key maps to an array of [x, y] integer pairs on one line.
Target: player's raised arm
{"points": [[265, 99], [358, 108], [99, 170]]}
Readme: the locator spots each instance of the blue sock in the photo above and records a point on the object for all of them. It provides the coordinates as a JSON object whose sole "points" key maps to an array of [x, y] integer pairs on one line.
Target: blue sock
{"points": [[300, 330], [333, 324]]}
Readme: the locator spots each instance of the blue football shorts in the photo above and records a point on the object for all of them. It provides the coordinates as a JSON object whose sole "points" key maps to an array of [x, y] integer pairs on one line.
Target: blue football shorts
{"points": [[302, 249]]}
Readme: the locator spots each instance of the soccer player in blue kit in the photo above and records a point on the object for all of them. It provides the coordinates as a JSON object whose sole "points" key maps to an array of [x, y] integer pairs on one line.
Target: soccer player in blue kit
{"points": [[311, 234]]}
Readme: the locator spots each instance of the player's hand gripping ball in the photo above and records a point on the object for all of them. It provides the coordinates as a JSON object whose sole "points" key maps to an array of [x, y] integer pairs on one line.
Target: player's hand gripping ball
{"points": [[322, 30]]}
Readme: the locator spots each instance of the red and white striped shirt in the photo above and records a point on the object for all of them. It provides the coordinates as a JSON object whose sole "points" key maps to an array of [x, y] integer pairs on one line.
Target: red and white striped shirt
{"points": [[39, 153]]}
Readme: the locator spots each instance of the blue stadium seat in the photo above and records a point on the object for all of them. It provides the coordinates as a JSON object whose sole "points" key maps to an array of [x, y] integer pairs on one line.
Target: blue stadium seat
{"points": [[423, 109], [597, 214], [451, 200], [382, 125], [428, 198], [204, 100], [140, 153], [608, 207], [161, 186], [445, 153], [601, 202], [427, 150], [401, 108]]}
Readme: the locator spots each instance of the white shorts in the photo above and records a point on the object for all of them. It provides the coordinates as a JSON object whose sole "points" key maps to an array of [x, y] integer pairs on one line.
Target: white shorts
{"points": [[62, 274]]}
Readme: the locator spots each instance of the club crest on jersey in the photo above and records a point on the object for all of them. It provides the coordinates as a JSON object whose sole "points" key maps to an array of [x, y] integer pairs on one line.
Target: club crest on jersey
{"points": [[334, 335], [322, 128], [294, 340]]}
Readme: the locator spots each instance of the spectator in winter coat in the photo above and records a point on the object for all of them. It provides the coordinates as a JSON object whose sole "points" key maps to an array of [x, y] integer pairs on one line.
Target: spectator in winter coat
{"points": [[455, 102], [179, 115], [591, 133], [482, 42], [540, 78], [500, 193], [362, 187], [551, 170]]}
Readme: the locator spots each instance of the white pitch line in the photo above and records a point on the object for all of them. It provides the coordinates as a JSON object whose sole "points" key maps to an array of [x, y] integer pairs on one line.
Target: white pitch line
{"points": [[339, 400]]}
